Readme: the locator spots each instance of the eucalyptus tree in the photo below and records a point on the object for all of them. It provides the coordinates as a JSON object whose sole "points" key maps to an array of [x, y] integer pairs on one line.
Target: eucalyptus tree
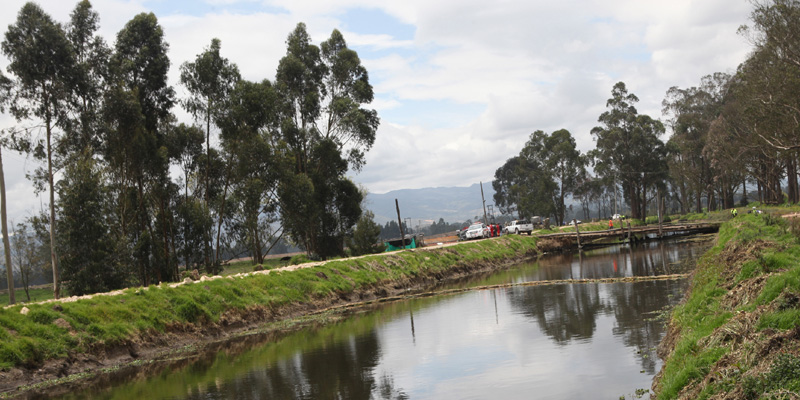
{"points": [[43, 62], [690, 114], [209, 80], [326, 132], [566, 165], [366, 235], [629, 150], [726, 160], [91, 78], [752, 115], [189, 214], [649, 163], [88, 251], [506, 187], [689, 124], [5, 89], [247, 127], [137, 114], [185, 146], [538, 181], [776, 36], [347, 88], [26, 256], [524, 182], [768, 109]]}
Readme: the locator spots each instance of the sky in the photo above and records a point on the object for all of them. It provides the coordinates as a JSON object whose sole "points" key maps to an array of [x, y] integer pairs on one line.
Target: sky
{"points": [[459, 84]]}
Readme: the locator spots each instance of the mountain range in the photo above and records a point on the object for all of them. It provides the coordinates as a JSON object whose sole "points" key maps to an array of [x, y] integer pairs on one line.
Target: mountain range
{"points": [[454, 204]]}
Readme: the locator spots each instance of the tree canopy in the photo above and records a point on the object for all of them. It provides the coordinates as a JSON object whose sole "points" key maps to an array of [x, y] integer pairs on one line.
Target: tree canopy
{"points": [[279, 171]]}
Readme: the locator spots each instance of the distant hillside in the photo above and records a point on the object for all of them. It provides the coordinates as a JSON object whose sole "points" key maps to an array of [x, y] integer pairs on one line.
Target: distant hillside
{"points": [[454, 204]]}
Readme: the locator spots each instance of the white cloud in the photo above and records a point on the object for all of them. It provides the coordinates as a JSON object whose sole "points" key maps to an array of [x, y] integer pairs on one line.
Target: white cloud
{"points": [[525, 65]]}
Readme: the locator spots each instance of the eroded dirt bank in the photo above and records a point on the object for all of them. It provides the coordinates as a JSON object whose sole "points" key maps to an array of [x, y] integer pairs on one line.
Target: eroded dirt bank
{"points": [[737, 333], [150, 351]]}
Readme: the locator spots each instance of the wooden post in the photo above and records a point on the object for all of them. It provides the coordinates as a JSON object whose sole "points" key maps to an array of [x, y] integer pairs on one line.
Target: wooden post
{"points": [[629, 231], [485, 220], [577, 233], [400, 223], [660, 214]]}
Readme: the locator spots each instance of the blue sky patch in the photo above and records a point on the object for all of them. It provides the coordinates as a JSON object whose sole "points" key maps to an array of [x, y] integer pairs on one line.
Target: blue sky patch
{"points": [[433, 114], [371, 21], [200, 8]]}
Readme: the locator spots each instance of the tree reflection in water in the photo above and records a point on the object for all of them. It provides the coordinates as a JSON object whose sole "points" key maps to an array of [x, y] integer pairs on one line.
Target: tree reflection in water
{"points": [[471, 344], [568, 312]]}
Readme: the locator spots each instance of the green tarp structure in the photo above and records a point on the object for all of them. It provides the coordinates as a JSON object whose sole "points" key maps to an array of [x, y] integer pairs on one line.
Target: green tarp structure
{"points": [[398, 242]]}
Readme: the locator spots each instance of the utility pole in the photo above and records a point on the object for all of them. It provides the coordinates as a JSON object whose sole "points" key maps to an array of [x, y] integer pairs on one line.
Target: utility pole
{"points": [[485, 220], [400, 223], [660, 213], [615, 194]]}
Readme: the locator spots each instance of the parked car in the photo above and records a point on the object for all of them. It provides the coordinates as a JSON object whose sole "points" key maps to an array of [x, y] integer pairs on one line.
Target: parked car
{"points": [[519, 227], [477, 230]]}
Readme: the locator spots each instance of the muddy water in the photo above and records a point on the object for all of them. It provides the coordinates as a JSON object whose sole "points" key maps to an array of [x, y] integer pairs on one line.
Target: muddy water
{"points": [[578, 341]]}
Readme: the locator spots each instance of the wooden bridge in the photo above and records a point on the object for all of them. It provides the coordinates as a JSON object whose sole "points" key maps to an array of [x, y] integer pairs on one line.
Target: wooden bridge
{"points": [[631, 234]]}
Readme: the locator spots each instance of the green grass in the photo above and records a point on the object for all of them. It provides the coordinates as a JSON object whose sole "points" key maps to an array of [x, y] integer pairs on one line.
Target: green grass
{"points": [[702, 314], [784, 375], [36, 295], [239, 267], [28, 340]]}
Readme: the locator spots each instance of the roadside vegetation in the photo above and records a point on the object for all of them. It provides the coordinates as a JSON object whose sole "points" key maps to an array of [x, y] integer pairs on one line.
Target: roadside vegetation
{"points": [[729, 140], [736, 334], [149, 315], [36, 295], [116, 218]]}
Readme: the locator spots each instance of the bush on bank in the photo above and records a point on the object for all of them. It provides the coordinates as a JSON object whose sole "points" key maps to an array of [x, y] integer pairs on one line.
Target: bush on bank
{"points": [[744, 300], [55, 330]]}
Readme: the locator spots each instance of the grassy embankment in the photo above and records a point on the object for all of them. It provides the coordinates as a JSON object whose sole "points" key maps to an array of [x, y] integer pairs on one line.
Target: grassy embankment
{"points": [[143, 315], [36, 295], [236, 267], [736, 334]]}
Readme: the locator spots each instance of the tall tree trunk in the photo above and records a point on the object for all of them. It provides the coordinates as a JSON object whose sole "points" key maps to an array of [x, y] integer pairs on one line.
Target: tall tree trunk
{"points": [[698, 202], [168, 267], [744, 190], [143, 265], [175, 271], [207, 238], [53, 254], [222, 213], [712, 201], [683, 196], [6, 244], [791, 177]]}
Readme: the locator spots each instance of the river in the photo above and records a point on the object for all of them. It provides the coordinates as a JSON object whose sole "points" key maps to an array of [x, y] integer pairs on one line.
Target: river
{"points": [[560, 341]]}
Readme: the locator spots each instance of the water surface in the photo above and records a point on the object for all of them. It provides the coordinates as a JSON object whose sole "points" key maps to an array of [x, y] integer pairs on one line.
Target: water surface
{"points": [[562, 341]]}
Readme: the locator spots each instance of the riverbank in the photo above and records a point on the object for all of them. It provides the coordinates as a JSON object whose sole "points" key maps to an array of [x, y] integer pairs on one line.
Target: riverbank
{"points": [[55, 343], [736, 334]]}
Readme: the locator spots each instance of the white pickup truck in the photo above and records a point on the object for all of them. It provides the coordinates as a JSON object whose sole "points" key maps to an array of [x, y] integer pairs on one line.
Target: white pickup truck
{"points": [[519, 226]]}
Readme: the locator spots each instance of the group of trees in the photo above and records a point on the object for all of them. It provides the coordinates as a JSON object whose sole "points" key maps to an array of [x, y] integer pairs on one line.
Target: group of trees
{"points": [[100, 117], [537, 181], [729, 132], [27, 255]]}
